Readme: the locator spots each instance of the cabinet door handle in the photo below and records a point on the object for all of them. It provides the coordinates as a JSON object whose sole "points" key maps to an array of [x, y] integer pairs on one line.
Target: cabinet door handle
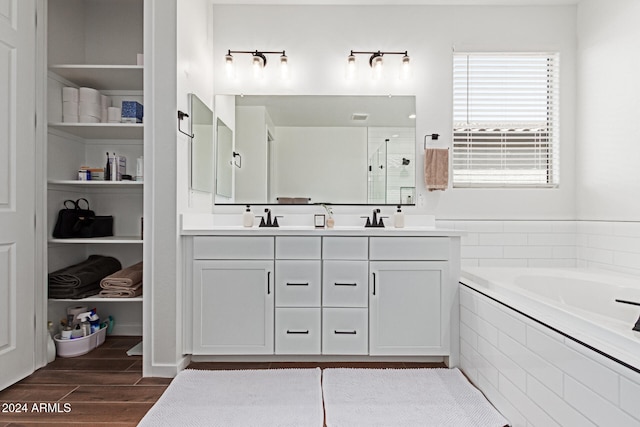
{"points": [[268, 282], [297, 284], [345, 284], [374, 283], [298, 332], [344, 332]]}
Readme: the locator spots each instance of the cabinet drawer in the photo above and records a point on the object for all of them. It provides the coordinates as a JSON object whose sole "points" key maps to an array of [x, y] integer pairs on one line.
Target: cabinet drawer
{"points": [[409, 248], [345, 331], [298, 283], [345, 283], [345, 248], [298, 247], [297, 331], [232, 247]]}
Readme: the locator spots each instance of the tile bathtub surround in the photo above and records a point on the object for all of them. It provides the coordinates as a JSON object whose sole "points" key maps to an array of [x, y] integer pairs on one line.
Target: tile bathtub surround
{"points": [[535, 376], [598, 244]]}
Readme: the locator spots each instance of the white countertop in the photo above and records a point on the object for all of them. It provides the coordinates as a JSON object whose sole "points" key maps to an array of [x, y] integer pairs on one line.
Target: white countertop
{"points": [[209, 224]]}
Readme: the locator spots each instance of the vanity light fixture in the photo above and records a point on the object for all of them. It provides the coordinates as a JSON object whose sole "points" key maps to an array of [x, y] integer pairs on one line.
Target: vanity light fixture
{"points": [[376, 61], [258, 62]]}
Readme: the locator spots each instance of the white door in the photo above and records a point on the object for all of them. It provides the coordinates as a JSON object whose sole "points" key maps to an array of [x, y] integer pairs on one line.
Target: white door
{"points": [[405, 314], [234, 307], [17, 189]]}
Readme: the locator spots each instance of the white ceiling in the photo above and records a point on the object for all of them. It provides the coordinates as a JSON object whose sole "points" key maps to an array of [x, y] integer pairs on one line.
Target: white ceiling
{"points": [[403, 2]]}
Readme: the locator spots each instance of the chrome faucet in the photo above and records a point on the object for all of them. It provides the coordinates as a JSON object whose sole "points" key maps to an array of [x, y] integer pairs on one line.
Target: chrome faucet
{"points": [[636, 327]]}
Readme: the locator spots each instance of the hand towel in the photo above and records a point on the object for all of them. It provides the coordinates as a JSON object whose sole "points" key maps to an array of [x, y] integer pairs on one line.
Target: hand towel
{"points": [[436, 168], [126, 277]]}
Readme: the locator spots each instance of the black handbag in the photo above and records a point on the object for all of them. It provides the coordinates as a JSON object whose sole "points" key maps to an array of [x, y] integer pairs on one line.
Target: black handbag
{"points": [[77, 221]]}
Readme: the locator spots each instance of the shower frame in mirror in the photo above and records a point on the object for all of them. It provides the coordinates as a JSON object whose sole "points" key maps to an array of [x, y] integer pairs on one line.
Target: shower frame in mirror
{"points": [[225, 160], [281, 122]]}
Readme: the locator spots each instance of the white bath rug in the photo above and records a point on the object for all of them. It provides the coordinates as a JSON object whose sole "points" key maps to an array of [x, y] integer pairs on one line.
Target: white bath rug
{"points": [[243, 398], [404, 398]]}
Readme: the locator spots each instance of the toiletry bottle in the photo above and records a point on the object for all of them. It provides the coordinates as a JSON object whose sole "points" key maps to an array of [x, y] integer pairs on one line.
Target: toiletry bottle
{"points": [[85, 326], [247, 217], [107, 169], [51, 346], [398, 218], [94, 321]]}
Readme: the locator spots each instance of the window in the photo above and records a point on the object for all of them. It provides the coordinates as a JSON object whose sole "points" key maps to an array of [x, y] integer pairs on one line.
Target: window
{"points": [[505, 120]]}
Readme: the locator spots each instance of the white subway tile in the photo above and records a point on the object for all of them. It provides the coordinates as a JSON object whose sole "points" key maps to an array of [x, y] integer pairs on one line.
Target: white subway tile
{"points": [[594, 407], [471, 239], [629, 229], [480, 226], [513, 415], [580, 367], [503, 364], [596, 255], [467, 299], [469, 370], [528, 226], [501, 262], [564, 226], [481, 252], [557, 408], [553, 263], [569, 252], [528, 252], [581, 240], [502, 239], [499, 318], [630, 397], [625, 259], [615, 243], [595, 227], [479, 326], [534, 413], [548, 374], [552, 239], [469, 262], [443, 223], [485, 369], [469, 335]]}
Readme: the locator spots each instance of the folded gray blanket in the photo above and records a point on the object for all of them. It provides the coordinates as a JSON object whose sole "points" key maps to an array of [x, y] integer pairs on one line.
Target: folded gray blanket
{"points": [[82, 278]]}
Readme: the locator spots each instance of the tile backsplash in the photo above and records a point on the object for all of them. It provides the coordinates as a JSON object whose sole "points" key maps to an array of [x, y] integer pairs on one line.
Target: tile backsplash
{"points": [[598, 244]]}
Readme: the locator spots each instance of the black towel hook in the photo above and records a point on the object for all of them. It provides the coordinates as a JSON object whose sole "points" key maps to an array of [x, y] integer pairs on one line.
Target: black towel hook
{"points": [[181, 116]]}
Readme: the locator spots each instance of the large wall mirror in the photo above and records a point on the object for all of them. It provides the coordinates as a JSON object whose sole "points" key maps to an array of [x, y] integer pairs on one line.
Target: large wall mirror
{"points": [[325, 149], [201, 145]]}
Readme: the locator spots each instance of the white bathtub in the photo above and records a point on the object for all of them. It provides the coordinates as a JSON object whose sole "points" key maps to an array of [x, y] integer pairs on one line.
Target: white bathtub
{"points": [[578, 303]]}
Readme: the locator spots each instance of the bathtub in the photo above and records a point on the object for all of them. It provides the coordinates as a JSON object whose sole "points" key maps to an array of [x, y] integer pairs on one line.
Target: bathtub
{"points": [[551, 347], [577, 303]]}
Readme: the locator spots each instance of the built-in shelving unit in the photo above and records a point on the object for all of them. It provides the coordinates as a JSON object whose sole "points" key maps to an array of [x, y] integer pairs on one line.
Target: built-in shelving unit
{"points": [[91, 44]]}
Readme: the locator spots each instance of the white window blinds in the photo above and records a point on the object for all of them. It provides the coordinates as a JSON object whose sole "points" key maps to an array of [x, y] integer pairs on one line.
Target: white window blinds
{"points": [[505, 120]]}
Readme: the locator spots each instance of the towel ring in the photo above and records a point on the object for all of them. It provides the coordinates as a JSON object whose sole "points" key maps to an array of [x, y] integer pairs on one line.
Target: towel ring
{"points": [[434, 137]]}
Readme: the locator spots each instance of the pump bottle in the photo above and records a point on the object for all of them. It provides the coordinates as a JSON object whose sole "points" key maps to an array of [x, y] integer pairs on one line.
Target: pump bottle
{"points": [[398, 218], [247, 217]]}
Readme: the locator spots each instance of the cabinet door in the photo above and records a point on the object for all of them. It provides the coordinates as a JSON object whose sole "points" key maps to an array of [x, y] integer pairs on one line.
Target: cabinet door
{"points": [[405, 308], [233, 309]]}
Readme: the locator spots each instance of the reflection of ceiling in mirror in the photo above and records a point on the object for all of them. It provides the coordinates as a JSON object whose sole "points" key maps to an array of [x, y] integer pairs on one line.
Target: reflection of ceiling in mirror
{"points": [[334, 111]]}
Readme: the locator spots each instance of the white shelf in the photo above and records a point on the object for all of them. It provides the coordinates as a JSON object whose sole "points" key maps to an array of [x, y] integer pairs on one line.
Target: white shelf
{"points": [[102, 77], [102, 130], [102, 240], [95, 183], [97, 299]]}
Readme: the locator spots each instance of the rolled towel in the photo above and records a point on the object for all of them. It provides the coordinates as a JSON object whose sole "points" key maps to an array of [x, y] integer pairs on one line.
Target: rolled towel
{"points": [[84, 273], [128, 277], [122, 291]]}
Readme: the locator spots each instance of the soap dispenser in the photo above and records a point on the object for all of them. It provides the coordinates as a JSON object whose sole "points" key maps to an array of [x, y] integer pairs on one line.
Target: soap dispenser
{"points": [[247, 217], [398, 218]]}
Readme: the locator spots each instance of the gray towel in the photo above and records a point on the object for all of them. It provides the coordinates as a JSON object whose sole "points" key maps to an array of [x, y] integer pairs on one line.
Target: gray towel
{"points": [[82, 279]]}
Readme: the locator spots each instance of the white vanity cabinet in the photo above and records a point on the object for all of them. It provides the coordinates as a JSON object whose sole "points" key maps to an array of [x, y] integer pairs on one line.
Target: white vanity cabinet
{"points": [[233, 294], [324, 293], [406, 298]]}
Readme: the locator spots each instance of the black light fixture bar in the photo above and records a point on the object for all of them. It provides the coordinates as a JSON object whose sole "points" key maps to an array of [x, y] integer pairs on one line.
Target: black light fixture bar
{"points": [[258, 53], [375, 54]]}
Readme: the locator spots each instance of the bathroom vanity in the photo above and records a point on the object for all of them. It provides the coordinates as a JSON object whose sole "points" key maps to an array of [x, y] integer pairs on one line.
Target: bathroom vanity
{"points": [[347, 293]]}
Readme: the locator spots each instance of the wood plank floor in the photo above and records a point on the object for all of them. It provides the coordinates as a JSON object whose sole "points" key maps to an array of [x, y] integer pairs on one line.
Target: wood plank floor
{"points": [[106, 387]]}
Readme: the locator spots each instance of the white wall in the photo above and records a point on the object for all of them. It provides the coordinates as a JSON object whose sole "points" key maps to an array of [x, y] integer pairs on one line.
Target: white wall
{"points": [[608, 112], [318, 161], [318, 39]]}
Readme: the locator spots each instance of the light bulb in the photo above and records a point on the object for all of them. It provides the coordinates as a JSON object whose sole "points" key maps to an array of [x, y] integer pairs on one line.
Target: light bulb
{"points": [[376, 64], [284, 67], [405, 68], [229, 67], [258, 65], [351, 67]]}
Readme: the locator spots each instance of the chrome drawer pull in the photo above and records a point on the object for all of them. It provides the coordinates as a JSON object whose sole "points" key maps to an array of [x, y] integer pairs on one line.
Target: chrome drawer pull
{"points": [[297, 284], [298, 332], [344, 332], [345, 284]]}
